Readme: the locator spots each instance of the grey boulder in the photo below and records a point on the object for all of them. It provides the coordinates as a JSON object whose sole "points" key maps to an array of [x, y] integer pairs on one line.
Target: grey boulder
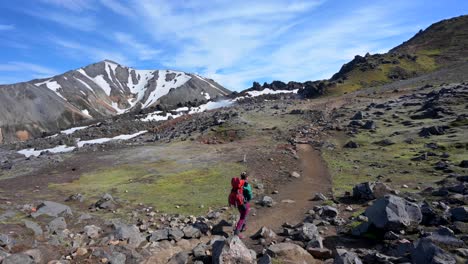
{"points": [[129, 233], [459, 214], [346, 257], [18, 259], [52, 209], [370, 190], [57, 225], [426, 251], [290, 253], [393, 213], [231, 251]]}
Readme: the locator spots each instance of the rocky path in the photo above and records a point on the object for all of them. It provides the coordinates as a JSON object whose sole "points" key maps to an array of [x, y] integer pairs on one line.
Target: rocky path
{"points": [[294, 199]]}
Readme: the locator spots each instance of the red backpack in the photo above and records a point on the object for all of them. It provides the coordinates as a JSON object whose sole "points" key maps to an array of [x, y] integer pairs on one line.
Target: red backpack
{"points": [[236, 197]]}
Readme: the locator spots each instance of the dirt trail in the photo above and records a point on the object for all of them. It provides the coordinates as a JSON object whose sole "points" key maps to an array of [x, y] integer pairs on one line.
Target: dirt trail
{"points": [[314, 178]]}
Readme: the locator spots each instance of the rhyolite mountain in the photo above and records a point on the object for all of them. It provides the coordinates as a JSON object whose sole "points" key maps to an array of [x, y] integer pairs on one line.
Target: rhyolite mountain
{"points": [[96, 91], [442, 45]]}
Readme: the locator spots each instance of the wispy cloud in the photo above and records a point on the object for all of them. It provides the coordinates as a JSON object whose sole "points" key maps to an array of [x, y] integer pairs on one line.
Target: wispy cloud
{"points": [[118, 8], [233, 42], [143, 51], [19, 69], [214, 38], [79, 50], [236, 42], [4, 27], [78, 22], [73, 5]]}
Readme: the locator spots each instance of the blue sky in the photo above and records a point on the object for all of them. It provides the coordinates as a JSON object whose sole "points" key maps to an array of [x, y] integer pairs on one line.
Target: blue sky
{"points": [[233, 42]]}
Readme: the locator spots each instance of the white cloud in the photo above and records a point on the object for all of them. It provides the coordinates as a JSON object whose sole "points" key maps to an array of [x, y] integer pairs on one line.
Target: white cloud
{"points": [[143, 51], [222, 35], [235, 42], [6, 27]]}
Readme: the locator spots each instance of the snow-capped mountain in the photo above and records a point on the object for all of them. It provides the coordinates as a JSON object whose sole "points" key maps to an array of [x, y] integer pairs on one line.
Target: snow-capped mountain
{"points": [[110, 88], [99, 90]]}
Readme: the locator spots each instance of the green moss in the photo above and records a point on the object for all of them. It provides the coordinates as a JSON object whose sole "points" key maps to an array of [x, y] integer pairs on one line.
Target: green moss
{"points": [[329, 202], [357, 79], [276, 261], [163, 185], [358, 213], [354, 224], [459, 123]]}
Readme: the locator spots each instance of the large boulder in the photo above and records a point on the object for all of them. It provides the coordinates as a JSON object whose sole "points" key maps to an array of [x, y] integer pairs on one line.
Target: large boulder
{"points": [[5, 240], [425, 251], [346, 257], [191, 232], [18, 259], [370, 190], [459, 214], [267, 201], [57, 225], [158, 235], [444, 236], [393, 213], [92, 231], [433, 130], [264, 233], [179, 258], [52, 209], [370, 124], [129, 233], [231, 251], [290, 253], [36, 228], [351, 144], [309, 233], [175, 234], [329, 212], [106, 202], [358, 116]]}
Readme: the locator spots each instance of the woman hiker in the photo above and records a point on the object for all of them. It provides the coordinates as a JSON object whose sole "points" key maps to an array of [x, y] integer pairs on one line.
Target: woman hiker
{"points": [[244, 207]]}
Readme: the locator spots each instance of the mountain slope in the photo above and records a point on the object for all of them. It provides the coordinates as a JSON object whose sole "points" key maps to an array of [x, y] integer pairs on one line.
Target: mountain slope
{"points": [[96, 91], [27, 110], [438, 50], [443, 43]]}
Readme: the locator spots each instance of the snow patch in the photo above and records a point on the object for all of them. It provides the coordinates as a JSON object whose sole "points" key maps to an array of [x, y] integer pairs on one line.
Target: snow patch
{"points": [[210, 106], [99, 80], [156, 116], [33, 152], [85, 85], [72, 130], [203, 79], [269, 91], [86, 112], [162, 86], [116, 107], [104, 140], [63, 148], [52, 85]]}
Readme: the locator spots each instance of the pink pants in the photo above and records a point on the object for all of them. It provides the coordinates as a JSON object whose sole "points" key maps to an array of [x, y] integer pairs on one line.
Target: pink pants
{"points": [[244, 211]]}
